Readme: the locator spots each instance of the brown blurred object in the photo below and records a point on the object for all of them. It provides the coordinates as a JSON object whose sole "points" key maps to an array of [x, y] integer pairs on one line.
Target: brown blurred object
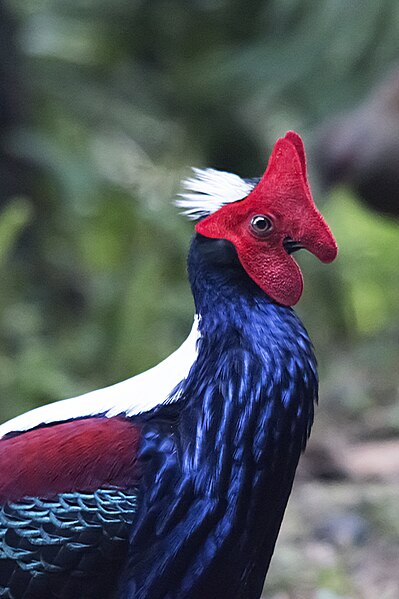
{"points": [[372, 460], [361, 148]]}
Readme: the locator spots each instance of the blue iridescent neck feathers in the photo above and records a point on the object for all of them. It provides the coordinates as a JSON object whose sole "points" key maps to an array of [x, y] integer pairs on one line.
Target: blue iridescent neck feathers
{"points": [[226, 451]]}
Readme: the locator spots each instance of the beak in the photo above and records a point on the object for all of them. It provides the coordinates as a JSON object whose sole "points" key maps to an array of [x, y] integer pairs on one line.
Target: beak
{"points": [[291, 246]]}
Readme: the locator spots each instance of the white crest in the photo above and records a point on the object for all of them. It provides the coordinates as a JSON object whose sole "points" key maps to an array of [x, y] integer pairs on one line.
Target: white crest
{"points": [[209, 190]]}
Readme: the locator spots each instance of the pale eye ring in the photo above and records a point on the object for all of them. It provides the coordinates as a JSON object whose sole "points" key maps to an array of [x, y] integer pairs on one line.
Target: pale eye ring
{"points": [[261, 225]]}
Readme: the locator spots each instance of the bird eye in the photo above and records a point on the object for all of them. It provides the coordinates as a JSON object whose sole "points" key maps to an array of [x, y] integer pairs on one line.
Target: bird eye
{"points": [[261, 225]]}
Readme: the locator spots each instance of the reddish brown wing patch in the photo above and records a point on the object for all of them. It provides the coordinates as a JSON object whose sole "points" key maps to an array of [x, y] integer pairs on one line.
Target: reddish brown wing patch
{"points": [[83, 455]]}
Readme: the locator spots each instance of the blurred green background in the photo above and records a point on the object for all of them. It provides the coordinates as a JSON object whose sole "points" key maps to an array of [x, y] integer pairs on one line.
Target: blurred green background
{"points": [[104, 106]]}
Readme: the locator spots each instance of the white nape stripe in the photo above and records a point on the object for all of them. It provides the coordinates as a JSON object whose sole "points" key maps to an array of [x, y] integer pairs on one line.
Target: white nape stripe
{"points": [[209, 190], [138, 394]]}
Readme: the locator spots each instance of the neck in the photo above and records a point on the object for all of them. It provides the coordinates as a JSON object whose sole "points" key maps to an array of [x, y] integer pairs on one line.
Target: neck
{"points": [[244, 414], [254, 382]]}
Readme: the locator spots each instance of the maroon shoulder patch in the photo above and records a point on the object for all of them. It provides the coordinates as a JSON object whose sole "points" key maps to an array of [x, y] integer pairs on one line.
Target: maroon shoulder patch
{"points": [[82, 455]]}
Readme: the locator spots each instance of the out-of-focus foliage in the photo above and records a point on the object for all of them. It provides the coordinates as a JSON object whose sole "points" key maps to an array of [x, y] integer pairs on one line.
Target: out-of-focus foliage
{"points": [[115, 100]]}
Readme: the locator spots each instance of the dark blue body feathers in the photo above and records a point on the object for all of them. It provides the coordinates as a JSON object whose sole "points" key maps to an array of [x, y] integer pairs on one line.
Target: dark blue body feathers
{"points": [[217, 465], [211, 509]]}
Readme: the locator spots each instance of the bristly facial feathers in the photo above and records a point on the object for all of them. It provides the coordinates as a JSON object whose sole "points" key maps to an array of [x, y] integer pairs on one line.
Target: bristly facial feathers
{"points": [[274, 218], [209, 190]]}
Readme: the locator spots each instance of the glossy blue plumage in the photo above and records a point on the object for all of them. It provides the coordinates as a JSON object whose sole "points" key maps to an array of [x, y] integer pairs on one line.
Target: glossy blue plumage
{"points": [[220, 461], [214, 468]]}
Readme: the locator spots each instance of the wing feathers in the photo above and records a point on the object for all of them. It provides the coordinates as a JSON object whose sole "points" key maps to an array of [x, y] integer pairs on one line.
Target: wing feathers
{"points": [[81, 455]]}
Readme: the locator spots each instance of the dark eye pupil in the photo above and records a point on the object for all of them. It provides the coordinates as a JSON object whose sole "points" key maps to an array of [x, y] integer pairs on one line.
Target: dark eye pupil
{"points": [[261, 224]]}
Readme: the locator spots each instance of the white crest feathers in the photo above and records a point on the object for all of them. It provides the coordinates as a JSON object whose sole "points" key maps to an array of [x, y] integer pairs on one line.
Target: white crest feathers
{"points": [[209, 190]]}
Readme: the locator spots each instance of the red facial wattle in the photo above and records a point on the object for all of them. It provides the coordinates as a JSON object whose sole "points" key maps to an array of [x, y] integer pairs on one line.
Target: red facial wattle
{"points": [[283, 196]]}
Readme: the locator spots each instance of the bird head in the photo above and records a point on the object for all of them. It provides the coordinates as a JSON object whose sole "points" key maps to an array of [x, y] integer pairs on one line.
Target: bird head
{"points": [[268, 223]]}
